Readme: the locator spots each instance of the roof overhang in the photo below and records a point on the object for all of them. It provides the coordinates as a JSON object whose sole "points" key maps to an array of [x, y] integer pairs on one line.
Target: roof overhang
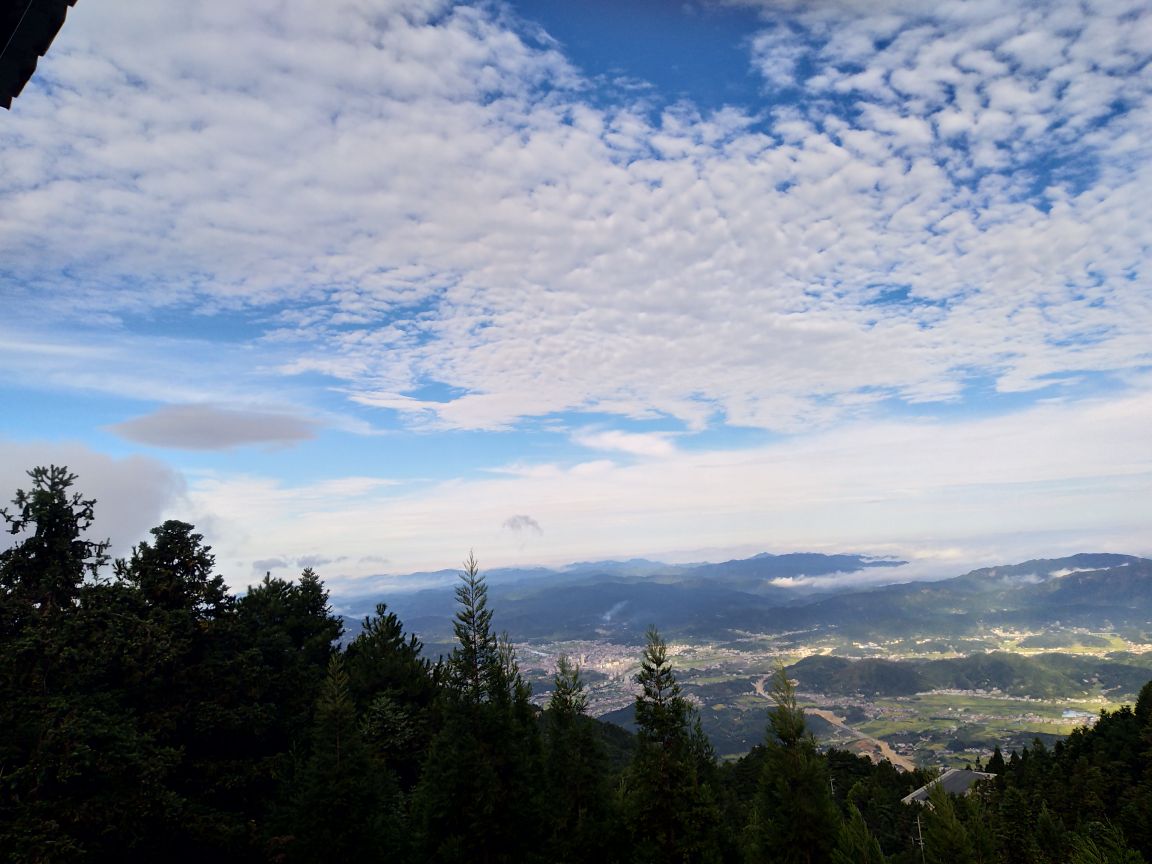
{"points": [[27, 28]]}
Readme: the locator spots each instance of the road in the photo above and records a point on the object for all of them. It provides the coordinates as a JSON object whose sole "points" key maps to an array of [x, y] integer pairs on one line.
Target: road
{"points": [[881, 747]]}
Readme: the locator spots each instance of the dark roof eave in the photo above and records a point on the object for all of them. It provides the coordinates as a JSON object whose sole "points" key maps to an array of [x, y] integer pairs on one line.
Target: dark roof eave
{"points": [[27, 29]]}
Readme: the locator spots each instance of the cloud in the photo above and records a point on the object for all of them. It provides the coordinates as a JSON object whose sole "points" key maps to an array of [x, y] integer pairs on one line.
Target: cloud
{"points": [[317, 560], [263, 565], [637, 444], [206, 427], [539, 251], [970, 492], [520, 524]]}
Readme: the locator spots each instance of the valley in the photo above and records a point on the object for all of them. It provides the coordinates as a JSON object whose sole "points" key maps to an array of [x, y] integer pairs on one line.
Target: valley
{"points": [[932, 728], [928, 673]]}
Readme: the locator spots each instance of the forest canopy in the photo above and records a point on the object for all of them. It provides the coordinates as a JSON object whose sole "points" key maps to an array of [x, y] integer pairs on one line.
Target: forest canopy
{"points": [[149, 714]]}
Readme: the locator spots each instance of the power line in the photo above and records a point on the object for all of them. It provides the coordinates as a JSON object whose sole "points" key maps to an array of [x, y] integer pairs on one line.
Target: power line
{"points": [[15, 29]]}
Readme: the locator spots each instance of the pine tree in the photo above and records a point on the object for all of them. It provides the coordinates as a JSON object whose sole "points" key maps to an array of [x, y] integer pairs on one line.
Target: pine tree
{"points": [[575, 772], [855, 844], [474, 668], [78, 776], [1051, 838], [477, 798], [174, 573], [1015, 826], [1101, 843], [43, 570], [671, 813], [946, 840], [197, 696], [395, 688], [996, 762], [345, 806], [796, 821]]}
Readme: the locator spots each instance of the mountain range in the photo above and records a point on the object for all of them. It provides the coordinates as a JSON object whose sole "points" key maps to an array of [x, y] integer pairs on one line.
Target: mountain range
{"points": [[786, 596]]}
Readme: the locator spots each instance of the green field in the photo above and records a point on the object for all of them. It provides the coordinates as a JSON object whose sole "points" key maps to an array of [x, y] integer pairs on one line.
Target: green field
{"points": [[934, 727]]}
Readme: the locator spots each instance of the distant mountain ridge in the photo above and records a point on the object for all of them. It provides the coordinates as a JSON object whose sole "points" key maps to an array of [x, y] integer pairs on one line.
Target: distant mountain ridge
{"points": [[1077, 590], [593, 597], [618, 600]]}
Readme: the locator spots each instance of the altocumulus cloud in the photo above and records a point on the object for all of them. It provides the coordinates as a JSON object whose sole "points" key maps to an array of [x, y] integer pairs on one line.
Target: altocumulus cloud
{"points": [[206, 427], [928, 195]]}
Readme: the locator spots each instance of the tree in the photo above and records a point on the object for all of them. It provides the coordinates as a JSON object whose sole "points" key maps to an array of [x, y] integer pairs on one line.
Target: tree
{"points": [[1051, 838], [575, 770], [344, 806], [946, 840], [1016, 826], [856, 845], [78, 776], [384, 659], [395, 688], [1102, 843], [474, 668], [43, 571], [476, 800], [174, 572], [671, 813], [198, 696], [996, 762], [284, 636], [796, 821]]}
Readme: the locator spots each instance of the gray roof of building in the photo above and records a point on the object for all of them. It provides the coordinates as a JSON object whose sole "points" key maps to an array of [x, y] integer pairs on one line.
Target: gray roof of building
{"points": [[954, 781]]}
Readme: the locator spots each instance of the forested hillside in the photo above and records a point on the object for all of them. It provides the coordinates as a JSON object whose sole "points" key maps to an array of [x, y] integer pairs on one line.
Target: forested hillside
{"points": [[150, 715]]}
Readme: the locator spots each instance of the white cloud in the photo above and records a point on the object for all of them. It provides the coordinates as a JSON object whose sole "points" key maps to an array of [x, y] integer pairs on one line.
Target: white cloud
{"points": [[980, 491], [636, 444], [412, 192]]}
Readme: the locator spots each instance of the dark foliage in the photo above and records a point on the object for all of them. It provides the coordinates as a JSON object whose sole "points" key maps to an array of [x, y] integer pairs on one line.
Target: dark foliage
{"points": [[150, 715]]}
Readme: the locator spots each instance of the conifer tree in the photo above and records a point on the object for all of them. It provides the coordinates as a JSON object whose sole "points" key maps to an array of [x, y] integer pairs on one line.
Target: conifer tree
{"points": [[43, 570], [344, 808], [671, 813], [196, 698], [395, 688], [474, 668], [575, 773], [1102, 843], [477, 798], [796, 821], [78, 777], [996, 762], [174, 573], [1015, 828], [1051, 838], [855, 844], [946, 840]]}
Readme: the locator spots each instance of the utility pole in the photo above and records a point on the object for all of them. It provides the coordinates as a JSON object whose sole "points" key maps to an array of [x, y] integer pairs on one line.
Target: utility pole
{"points": [[920, 838]]}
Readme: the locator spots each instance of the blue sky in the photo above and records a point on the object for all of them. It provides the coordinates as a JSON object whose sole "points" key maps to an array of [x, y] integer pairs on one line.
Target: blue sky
{"points": [[375, 282]]}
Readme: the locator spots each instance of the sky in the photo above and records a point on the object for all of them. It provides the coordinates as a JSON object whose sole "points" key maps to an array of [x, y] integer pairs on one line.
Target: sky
{"points": [[366, 284]]}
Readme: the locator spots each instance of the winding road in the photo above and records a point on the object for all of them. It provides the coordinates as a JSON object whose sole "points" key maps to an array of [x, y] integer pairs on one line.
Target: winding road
{"points": [[881, 747]]}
